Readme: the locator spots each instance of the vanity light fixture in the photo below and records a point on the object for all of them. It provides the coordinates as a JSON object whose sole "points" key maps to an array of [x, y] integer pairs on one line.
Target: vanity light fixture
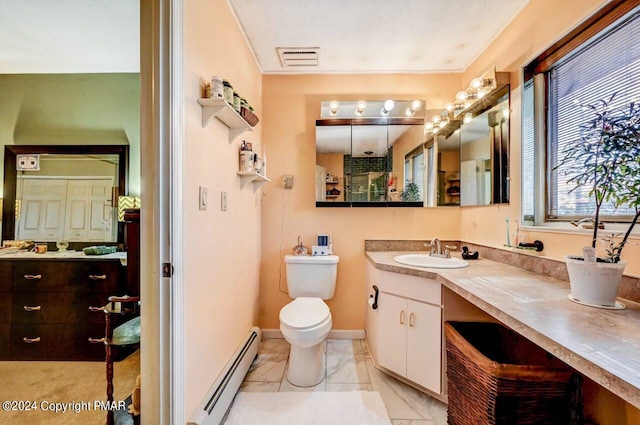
{"points": [[387, 107], [360, 107], [333, 107]]}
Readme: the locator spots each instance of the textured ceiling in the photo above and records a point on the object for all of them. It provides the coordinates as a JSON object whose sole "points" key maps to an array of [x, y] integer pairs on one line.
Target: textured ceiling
{"points": [[84, 36], [69, 36], [374, 35]]}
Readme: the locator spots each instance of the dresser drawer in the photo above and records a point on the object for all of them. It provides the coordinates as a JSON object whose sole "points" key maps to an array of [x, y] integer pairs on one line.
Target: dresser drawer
{"points": [[65, 276], [5, 332], [5, 307], [56, 342], [5, 275], [57, 307]]}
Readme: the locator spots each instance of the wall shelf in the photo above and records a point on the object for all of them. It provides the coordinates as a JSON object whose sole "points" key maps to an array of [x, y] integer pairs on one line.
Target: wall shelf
{"points": [[251, 176], [220, 109]]}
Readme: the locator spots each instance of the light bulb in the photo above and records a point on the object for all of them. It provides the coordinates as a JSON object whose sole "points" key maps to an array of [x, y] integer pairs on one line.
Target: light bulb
{"points": [[451, 107], [409, 112], [477, 83], [442, 124], [388, 107], [467, 118], [416, 105], [462, 96], [333, 107], [428, 125], [436, 119], [360, 107]]}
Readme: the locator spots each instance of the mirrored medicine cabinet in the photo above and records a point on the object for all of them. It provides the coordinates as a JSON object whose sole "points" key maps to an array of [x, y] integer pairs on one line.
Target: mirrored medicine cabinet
{"points": [[393, 162], [360, 156]]}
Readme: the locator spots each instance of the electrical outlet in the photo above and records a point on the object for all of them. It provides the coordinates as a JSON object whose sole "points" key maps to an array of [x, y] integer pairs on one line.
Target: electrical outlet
{"points": [[223, 201], [287, 181], [203, 199]]}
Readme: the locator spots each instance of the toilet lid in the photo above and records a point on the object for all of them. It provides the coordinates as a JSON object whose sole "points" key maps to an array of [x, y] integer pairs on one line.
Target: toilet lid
{"points": [[304, 312]]}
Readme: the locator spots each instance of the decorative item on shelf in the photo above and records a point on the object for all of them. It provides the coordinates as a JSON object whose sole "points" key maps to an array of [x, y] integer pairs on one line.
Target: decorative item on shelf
{"points": [[236, 101], [217, 88], [207, 90], [249, 116], [604, 160], [228, 92], [246, 157]]}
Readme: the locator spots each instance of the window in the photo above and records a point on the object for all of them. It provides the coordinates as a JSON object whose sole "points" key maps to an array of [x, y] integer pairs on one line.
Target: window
{"points": [[596, 68]]}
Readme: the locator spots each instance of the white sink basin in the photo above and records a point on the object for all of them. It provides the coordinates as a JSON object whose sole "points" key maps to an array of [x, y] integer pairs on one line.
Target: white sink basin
{"points": [[425, 260]]}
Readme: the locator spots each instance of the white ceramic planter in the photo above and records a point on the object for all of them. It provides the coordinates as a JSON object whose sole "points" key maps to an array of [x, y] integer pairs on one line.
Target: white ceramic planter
{"points": [[594, 283]]}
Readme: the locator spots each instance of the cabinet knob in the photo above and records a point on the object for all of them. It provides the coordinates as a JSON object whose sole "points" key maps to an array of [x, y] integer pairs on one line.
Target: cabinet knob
{"points": [[31, 340], [95, 309], [32, 308], [96, 340], [98, 276], [402, 317], [33, 276]]}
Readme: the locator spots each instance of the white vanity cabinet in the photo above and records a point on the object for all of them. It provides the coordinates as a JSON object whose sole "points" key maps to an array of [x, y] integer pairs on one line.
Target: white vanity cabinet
{"points": [[404, 333]]}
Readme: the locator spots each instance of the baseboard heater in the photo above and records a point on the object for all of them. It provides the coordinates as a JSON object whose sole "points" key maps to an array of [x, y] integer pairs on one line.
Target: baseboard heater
{"points": [[214, 407]]}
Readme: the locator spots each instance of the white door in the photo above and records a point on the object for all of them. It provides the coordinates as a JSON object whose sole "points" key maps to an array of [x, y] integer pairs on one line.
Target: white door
{"points": [[392, 333], [42, 210], [424, 346], [89, 207]]}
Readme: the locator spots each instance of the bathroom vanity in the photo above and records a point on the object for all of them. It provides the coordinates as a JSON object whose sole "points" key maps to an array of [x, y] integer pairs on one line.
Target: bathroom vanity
{"points": [[600, 344], [51, 304]]}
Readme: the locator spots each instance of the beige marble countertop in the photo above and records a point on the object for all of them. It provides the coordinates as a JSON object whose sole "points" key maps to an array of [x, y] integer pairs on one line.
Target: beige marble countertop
{"points": [[604, 345]]}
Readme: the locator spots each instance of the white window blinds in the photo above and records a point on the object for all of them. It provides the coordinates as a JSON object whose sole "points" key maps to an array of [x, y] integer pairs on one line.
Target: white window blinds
{"points": [[609, 64]]}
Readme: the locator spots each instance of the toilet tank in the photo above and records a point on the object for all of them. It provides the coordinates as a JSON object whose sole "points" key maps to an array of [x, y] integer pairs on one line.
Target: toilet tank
{"points": [[311, 276]]}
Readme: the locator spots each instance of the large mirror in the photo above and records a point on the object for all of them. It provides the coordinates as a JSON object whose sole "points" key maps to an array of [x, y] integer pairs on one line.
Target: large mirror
{"points": [[363, 161], [467, 160], [68, 193]]}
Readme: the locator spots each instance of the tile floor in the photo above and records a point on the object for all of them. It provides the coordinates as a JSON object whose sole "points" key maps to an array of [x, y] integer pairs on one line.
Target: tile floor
{"points": [[349, 368]]}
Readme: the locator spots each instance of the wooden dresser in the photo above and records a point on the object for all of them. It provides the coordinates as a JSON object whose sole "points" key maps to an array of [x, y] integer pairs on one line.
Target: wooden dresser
{"points": [[51, 306]]}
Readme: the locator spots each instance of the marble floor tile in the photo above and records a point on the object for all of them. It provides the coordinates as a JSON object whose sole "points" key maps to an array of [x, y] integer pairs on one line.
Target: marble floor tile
{"points": [[403, 401], [345, 368], [288, 386], [348, 387], [349, 368], [344, 346], [269, 365], [262, 387]]}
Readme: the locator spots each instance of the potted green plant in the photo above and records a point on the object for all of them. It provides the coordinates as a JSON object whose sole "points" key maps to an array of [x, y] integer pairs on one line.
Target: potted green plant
{"points": [[411, 192], [605, 159]]}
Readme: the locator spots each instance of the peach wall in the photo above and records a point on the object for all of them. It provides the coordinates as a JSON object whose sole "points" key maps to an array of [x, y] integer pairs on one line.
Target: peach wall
{"points": [[222, 249], [291, 104], [540, 24]]}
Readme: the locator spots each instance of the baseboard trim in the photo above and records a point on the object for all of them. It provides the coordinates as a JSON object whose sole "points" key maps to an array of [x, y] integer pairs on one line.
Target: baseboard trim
{"points": [[333, 334]]}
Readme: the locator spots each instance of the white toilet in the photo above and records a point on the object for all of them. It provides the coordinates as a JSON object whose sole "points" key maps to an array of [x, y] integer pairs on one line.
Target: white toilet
{"points": [[306, 321]]}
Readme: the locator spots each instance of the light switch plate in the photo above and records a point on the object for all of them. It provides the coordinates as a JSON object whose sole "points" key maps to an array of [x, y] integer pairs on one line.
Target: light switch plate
{"points": [[203, 199], [223, 201], [287, 181]]}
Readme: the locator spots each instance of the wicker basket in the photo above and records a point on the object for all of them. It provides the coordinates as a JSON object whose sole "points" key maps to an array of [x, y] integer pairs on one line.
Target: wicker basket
{"points": [[249, 116], [496, 376]]}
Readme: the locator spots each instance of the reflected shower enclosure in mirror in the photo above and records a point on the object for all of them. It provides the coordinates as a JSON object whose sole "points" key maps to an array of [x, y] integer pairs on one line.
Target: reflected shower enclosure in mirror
{"points": [[360, 156], [71, 193]]}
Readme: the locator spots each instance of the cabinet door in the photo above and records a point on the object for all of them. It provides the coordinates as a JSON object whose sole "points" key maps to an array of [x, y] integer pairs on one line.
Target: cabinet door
{"points": [[392, 333], [424, 345]]}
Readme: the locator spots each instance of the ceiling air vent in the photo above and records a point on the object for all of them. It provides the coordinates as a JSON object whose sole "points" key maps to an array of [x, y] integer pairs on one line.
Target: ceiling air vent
{"points": [[298, 56]]}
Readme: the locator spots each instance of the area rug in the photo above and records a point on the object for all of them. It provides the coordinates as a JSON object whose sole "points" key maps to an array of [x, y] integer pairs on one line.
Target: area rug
{"points": [[308, 408]]}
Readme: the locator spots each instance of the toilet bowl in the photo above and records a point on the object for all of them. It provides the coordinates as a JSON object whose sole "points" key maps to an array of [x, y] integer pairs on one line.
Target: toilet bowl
{"points": [[305, 323]]}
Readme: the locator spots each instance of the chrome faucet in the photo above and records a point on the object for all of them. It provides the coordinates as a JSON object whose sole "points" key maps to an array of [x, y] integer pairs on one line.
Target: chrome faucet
{"points": [[436, 249]]}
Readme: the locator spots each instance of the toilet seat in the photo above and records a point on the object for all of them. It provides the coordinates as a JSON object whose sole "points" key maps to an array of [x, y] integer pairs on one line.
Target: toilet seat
{"points": [[304, 312]]}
